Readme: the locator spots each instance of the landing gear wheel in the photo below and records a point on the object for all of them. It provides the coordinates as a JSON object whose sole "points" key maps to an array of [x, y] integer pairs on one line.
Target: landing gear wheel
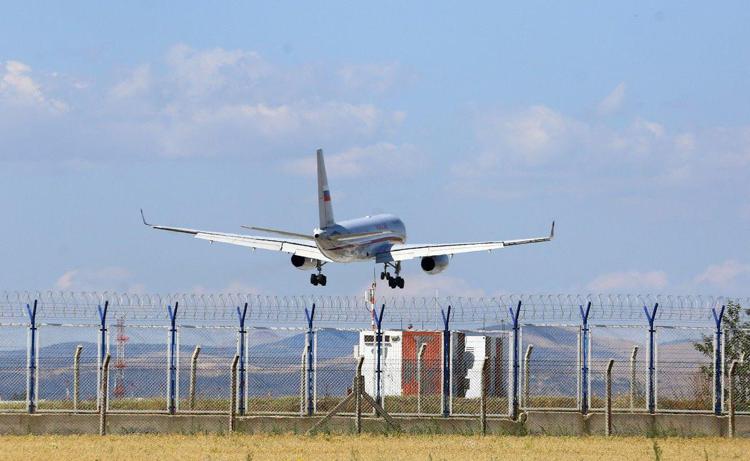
{"points": [[400, 282], [314, 279], [382, 275], [392, 282], [322, 280]]}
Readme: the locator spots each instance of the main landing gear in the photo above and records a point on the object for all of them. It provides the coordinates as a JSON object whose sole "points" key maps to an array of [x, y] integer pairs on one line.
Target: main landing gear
{"points": [[393, 282], [319, 278]]}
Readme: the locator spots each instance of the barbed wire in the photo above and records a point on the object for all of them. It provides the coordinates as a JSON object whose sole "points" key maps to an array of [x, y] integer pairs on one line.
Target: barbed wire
{"points": [[400, 311]]}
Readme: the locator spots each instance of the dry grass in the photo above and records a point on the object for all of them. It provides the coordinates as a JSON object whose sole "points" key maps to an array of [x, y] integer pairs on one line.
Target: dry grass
{"points": [[427, 447]]}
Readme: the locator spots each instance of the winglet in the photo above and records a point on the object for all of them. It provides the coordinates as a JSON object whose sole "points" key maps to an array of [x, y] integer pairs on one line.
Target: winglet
{"points": [[144, 218], [552, 231]]}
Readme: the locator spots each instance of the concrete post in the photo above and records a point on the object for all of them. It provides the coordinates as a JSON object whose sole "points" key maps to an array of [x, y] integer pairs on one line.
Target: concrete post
{"points": [[731, 396], [302, 393], [483, 395], [104, 394], [420, 357], [193, 373], [233, 394], [633, 359], [608, 415], [526, 374], [76, 375]]}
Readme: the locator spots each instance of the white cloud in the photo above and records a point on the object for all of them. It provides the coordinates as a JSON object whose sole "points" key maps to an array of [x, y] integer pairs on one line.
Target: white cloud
{"points": [[724, 274], [377, 78], [362, 161], [101, 279], [17, 86], [613, 101], [138, 82], [630, 280]]}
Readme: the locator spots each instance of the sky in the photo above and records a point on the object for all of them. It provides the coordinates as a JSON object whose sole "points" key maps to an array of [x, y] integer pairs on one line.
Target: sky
{"points": [[627, 124]]}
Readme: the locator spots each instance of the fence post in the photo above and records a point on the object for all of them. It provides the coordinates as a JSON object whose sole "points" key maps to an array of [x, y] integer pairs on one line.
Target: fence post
{"points": [[718, 362], [608, 415], [104, 394], [76, 375], [241, 349], [420, 356], [233, 393], [310, 372], [526, 374], [651, 316], [302, 388], [584, 354], [379, 357], [633, 358], [359, 384], [483, 395], [172, 375], [31, 383], [447, 391], [731, 396], [193, 372], [103, 343], [515, 359]]}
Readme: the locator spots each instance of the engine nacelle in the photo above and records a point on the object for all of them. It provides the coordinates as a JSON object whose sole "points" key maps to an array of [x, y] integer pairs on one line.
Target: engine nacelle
{"points": [[435, 264], [304, 264]]}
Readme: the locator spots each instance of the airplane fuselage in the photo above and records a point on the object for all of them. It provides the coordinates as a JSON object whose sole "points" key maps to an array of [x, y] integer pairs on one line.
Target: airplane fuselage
{"points": [[334, 242]]}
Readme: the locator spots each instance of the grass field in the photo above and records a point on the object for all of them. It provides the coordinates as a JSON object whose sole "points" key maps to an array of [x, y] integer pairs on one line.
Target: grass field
{"points": [[428, 447]]}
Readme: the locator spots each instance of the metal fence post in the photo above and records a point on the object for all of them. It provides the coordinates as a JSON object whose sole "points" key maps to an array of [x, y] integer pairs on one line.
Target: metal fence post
{"points": [[718, 362], [608, 415], [633, 359], [420, 356], [104, 394], [483, 395], [379, 357], [447, 391], [32, 373], [526, 374], [233, 393], [76, 375], [193, 373], [359, 388], [302, 387], [310, 372], [515, 359], [584, 354], [731, 396], [172, 365], [241, 349], [651, 397], [103, 343]]}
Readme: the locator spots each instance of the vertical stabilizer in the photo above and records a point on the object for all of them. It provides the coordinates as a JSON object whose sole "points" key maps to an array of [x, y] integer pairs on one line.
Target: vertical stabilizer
{"points": [[324, 194]]}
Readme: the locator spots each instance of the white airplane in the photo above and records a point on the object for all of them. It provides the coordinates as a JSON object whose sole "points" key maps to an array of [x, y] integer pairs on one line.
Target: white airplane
{"points": [[381, 238]]}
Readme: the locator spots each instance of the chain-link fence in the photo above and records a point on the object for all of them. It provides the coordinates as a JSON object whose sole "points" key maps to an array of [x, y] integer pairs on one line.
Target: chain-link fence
{"points": [[170, 360]]}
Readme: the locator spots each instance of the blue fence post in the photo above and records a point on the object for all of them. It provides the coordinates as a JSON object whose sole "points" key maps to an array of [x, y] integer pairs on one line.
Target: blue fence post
{"points": [[102, 345], [32, 371], [172, 384], [585, 357], [310, 372], [379, 352], [241, 349], [446, 362], [651, 316], [718, 362], [515, 359]]}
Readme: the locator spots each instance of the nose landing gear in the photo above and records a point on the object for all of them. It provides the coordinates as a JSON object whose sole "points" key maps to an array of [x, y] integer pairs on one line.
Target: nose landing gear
{"points": [[393, 282], [319, 278]]}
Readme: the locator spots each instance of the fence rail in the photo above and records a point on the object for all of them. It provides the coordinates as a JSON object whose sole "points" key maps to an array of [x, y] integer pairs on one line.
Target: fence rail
{"points": [[422, 356]]}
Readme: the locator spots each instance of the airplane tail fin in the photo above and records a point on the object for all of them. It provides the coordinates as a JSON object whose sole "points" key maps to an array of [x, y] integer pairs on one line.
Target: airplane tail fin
{"points": [[325, 210]]}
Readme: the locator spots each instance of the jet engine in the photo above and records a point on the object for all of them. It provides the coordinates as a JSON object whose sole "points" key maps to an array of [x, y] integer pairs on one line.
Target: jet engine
{"points": [[435, 264], [304, 264]]}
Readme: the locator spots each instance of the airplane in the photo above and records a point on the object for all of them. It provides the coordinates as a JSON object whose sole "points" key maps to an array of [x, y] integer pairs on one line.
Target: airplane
{"points": [[381, 238]]}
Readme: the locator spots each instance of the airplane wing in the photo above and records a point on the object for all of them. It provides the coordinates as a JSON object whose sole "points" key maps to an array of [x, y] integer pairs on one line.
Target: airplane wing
{"points": [[298, 247], [404, 252]]}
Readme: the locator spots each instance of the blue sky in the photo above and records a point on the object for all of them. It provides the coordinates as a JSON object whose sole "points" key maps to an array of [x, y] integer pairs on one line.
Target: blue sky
{"points": [[628, 124]]}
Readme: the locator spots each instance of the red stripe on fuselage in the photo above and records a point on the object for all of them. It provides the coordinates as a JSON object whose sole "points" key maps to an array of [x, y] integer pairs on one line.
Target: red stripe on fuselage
{"points": [[370, 242]]}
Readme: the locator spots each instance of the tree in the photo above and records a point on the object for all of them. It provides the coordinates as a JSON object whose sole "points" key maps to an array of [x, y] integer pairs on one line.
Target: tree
{"points": [[736, 347]]}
